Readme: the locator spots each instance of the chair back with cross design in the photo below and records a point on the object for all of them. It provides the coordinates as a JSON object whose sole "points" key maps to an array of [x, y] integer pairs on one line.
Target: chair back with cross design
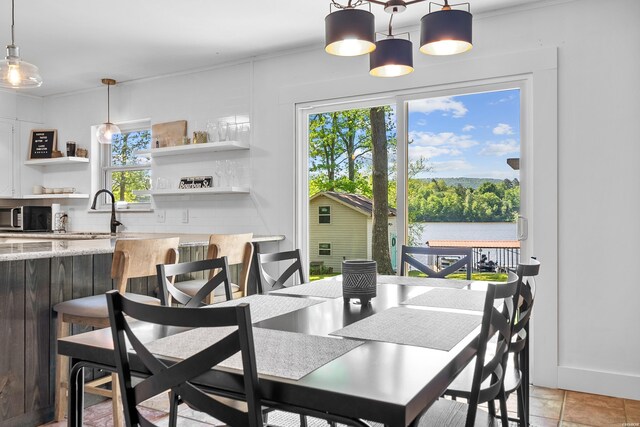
{"points": [[176, 377], [219, 275], [269, 283], [409, 257]]}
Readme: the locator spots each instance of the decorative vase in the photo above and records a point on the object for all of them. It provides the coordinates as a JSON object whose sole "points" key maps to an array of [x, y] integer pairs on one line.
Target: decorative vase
{"points": [[359, 280]]}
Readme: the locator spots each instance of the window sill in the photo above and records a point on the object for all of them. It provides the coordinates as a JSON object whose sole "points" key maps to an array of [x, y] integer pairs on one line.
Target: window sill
{"points": [[108, 210]]}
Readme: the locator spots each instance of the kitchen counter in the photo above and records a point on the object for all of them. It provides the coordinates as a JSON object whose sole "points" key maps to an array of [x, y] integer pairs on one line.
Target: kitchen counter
{"points": [[23, 246]]}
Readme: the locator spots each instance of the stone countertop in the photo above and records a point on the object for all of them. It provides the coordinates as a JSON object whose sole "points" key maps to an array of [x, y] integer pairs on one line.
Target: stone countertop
{"points": [[21, 246]]}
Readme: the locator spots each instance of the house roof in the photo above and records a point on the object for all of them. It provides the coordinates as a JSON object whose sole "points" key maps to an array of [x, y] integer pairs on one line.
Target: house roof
{"points": [[355, 201]]}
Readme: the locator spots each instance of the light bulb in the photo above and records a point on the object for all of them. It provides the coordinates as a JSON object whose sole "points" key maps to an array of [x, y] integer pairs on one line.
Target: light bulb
{"points": [[13, 75], [105, 132], [446, 47], [350, 47]]}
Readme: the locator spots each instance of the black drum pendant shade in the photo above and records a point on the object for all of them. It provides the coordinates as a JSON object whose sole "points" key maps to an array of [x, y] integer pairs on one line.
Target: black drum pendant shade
{"points": [[445, 32], [349, 32], [392, 58]]}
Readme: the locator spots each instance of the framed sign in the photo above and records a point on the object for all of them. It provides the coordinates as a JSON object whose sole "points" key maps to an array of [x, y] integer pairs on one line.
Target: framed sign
{"points": [[43, 143], [193, 182]]}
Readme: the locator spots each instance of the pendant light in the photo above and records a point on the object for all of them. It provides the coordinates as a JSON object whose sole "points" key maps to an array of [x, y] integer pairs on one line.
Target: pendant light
{"points": [[393, 57], [446, 31], [14, 72], [107, 130], [349, 31]]}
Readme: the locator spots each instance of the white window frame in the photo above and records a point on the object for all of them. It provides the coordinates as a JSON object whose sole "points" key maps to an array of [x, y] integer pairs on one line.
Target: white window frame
{"points": [[321, 249], [321, 215], [106, 169]]}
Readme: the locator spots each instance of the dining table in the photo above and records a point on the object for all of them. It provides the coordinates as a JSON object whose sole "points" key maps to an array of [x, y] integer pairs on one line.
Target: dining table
{"points": [[386, 361]]}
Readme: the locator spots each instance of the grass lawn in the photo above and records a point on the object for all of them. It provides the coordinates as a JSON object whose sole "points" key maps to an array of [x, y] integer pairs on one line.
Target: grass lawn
{"points": [[489, 277]]}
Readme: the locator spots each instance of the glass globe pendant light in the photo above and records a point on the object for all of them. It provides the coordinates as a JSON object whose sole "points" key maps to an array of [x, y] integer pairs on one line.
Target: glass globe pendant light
{"points": [[446, 31], [14, 72], [349, 31], [106, 130]]}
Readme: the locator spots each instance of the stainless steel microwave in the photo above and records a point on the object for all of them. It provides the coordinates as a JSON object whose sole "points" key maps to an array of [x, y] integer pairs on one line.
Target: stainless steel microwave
{"points": [[26, 218]]}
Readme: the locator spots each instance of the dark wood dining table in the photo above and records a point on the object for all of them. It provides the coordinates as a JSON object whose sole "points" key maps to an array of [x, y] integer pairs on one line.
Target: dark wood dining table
{"points": [[377, 381]]}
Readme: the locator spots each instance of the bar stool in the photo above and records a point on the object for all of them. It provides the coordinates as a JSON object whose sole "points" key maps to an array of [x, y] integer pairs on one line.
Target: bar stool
{"points": [[132, 258], [238, 250]]}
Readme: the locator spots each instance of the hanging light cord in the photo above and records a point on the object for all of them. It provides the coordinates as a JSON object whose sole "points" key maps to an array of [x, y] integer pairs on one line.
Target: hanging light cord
{"points": [[13, 21], [390, 21], [108, 104]]}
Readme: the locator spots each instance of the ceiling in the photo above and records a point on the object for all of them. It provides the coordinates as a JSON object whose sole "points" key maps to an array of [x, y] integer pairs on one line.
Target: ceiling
{"points": [[77, 42]]}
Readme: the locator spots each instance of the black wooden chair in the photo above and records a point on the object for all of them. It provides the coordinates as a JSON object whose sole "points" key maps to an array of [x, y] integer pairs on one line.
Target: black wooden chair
{"points": [[516, 371], [169, 293], [489, 368], [409, 257], [176, 377], [267, 282]]}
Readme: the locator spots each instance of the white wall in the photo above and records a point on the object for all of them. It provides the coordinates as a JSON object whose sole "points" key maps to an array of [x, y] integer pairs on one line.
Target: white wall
{"points": [[598, 342]]}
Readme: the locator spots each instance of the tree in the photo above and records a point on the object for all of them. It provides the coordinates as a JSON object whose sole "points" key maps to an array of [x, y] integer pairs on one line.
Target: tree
{"points": [[123, 147], [380, 184]]}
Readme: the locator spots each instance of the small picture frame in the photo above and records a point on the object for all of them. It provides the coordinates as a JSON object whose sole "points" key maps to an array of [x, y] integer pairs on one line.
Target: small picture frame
{"points": [[43, 142]]}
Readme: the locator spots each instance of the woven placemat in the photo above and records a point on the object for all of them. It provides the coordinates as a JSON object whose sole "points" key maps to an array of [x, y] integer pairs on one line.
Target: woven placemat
{"points": [[423, 281], [423, 328], [278, 353], [265, 307], [328, 288], [458, 299]]}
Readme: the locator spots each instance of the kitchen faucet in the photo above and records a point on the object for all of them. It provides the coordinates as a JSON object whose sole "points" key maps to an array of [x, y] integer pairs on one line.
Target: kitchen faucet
{"points": [[114, 221]]}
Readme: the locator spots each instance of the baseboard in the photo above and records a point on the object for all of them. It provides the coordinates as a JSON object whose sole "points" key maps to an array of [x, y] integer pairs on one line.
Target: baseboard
{"points": [[599, 382]]}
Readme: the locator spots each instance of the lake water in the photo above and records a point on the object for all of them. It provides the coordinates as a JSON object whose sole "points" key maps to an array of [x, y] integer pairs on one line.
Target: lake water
{"points": [[468, 231]]}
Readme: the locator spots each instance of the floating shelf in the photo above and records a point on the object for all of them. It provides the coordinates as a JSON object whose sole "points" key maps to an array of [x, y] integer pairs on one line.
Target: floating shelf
{"points": [[194, 149], [56, 196], [56, 161], [191, 192]]}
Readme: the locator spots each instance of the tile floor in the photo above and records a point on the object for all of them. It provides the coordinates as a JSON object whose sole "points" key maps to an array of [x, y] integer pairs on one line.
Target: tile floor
{"points": [[549, 407]]}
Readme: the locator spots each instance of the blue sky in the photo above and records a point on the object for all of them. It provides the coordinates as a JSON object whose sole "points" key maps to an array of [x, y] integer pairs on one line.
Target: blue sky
{"points": [[468, 135]]}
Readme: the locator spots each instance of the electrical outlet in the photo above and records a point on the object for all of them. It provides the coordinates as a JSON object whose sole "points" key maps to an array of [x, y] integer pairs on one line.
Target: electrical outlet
{"points": [[160, 215], [185, 216]]}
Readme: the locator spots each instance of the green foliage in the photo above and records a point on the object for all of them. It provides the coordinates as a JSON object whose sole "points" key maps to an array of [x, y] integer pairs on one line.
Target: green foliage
{"points": [[340, 152], [125, 182], [320, 270], [435, 201]]}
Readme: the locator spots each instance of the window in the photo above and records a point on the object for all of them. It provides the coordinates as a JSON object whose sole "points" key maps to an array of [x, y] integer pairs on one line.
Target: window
{"points": [[324, 249], [324, 215], [126, 173]]}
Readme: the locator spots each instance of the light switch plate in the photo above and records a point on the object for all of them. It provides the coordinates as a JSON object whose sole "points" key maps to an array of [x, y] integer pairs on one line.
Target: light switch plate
{"points": [[185, 216]]}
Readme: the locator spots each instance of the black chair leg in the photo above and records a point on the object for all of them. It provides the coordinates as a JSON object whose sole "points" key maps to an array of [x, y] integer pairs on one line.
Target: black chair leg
{"points": [[492, 408], [522, 408], [504, 416], [174, 401], [303, 421]]}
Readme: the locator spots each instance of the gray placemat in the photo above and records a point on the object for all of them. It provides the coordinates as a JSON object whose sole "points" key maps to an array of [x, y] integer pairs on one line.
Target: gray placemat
{"points": [[423, 281], [278, 353], [265, 307], [450, 298], [328, 288], [423, 328]]}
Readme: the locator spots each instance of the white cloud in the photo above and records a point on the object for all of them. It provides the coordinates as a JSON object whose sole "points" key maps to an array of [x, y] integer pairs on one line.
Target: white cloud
{"points": [[468, 128], [421, 122], [449, 139], [446, 104], [431, 152], [502, 100], [451, 165], [502, 148], [503, 129]]}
